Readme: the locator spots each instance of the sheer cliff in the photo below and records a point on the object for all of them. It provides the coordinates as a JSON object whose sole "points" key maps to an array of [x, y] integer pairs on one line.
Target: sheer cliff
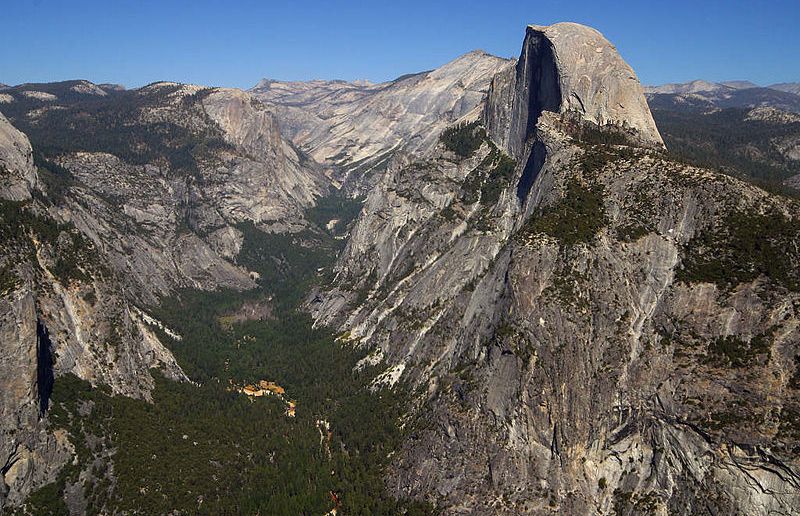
{"points": [[590, 327], [584, 325], [123, 199]]}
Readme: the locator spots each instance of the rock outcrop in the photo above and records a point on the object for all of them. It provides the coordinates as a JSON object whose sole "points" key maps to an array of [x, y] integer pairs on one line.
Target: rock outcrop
{"points": [[551, 298], [280, 196], [16, 163], [355, 128], [566, 68]]}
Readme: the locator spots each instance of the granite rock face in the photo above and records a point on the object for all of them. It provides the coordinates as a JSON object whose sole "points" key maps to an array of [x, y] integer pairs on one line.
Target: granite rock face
{"points": [[565, 359], [566, 68], [30, 455], [595, 81], [88, 250], [355, 128], [270, 185], [578, 377], [168, 216], [16, 163]]}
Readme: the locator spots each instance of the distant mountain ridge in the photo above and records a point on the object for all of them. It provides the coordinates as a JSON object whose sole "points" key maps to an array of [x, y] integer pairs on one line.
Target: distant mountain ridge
{"points": [[701, 86], [789, 87], [702, 96], [360, 126]]}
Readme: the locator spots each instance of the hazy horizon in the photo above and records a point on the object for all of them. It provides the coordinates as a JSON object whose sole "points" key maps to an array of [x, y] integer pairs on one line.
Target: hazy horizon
{"points": [[133, 87], [236, 46]]}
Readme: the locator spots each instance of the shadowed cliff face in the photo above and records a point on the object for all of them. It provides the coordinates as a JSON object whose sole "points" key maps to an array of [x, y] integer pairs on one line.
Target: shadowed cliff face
{"points": [[533, 165], [516, 100], [518, 96], [44, 367], [573, 348], [16, 163], [567, 69], [538, 73]]}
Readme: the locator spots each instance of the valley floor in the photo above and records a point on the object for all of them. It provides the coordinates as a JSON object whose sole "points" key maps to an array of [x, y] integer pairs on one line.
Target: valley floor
{"points": [[203, 447]]}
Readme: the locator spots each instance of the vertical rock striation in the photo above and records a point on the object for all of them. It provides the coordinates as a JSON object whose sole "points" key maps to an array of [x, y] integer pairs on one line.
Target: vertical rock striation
{"points": [[566, 68], [566, 360], [16, 163]]}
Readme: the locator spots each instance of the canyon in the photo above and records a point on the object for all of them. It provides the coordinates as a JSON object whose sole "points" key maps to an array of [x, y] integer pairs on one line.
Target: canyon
{"points": [[563, 316]]}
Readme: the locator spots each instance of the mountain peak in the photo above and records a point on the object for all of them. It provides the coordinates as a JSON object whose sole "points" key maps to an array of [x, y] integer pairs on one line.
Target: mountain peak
{"points": [[740, 85], [567, 29], [595, 80], [567, 68], [703, 86], [478, 52]]}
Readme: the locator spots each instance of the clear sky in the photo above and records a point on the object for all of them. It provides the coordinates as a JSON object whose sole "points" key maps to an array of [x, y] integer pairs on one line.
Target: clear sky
{"points": [[237, 42]]}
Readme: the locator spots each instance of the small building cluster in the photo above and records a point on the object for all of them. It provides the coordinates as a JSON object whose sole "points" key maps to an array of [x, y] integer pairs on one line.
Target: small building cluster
{"points": [[267, 388], [262, 388]]}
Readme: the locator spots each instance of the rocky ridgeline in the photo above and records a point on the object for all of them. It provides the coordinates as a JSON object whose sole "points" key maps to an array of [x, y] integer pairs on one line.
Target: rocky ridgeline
{"points": [[593, 328], [589, 327], [356, 129], [94, 235], [708, 96]]}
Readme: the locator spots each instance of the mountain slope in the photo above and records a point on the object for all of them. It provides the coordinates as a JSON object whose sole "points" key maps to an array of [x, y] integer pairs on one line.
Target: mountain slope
{"points": [[125, 198], [587, 324], [749, 132], [355, 128], [789, 87]]}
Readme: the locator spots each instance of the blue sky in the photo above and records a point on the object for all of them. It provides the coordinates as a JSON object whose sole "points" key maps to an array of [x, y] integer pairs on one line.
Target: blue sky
{"points": [[237, 42]]}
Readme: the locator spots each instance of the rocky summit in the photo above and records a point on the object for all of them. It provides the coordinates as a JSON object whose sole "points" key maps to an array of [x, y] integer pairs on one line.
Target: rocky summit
{"points": [[498, 287], [571, 68]]}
